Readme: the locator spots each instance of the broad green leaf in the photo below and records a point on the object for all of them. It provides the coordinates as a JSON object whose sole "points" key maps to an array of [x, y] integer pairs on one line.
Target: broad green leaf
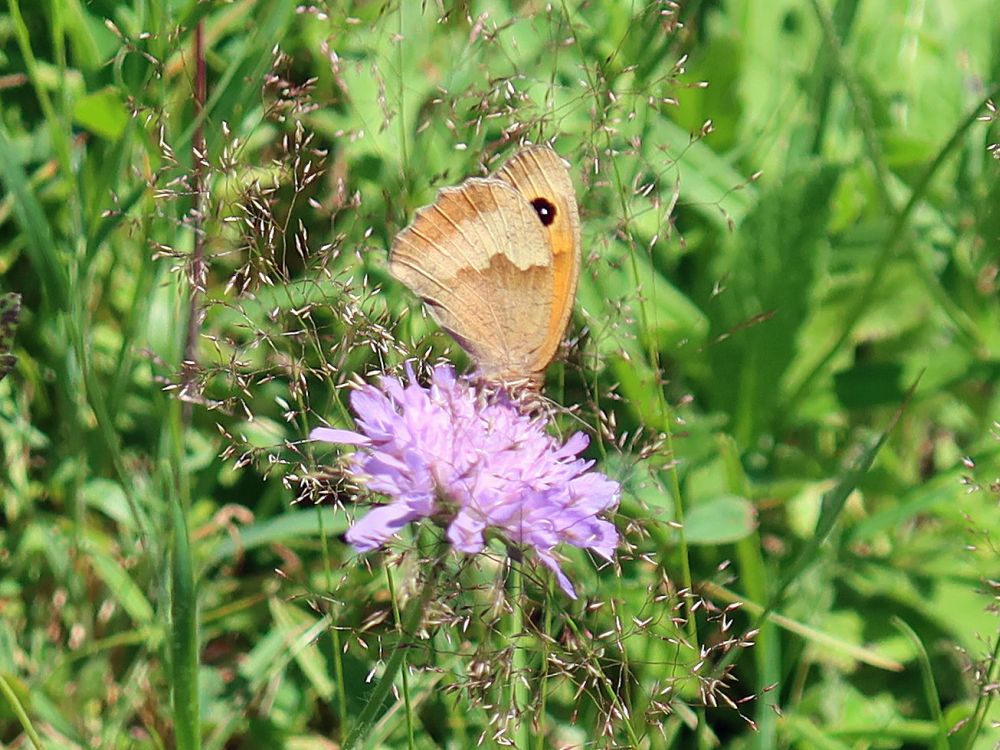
{"points": [[102, 113], [721, 520]]}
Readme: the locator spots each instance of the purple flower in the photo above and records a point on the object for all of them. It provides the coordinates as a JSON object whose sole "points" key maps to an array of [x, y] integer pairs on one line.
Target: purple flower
{"points": [[475, 462]]}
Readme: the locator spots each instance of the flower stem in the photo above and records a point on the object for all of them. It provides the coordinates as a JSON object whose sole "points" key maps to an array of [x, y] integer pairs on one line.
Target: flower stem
{"points": [[407, 636], [406, 683], [336, 654], [543, 672], [519, 663]]}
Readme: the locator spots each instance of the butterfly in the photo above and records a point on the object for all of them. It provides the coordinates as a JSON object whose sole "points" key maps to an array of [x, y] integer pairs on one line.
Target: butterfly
{"points": [[497, 261]]}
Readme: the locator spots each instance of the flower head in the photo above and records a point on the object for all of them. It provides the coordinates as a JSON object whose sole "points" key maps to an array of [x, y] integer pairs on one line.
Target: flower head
{"points": [[475, 461]]}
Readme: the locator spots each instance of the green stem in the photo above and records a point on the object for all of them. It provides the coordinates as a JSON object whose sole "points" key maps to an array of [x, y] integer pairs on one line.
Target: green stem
{"points": [[931, 693], [519, 696], [608, 688], [336, 655], [17, 708], [184, 637], [409, 627], [973, 729], [390, 581], [543, 672]]}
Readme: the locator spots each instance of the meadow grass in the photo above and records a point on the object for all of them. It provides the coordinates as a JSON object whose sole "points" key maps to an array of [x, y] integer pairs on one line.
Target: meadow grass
{"points": [[785, 347]]}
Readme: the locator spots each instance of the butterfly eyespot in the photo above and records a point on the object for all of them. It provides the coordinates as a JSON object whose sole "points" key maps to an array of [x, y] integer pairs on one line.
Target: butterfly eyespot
{"points": [[545, 210]]}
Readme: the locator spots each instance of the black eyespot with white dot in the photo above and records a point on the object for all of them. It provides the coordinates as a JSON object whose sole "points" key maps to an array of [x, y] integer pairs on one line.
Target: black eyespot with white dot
{"points": [[545, 210]]}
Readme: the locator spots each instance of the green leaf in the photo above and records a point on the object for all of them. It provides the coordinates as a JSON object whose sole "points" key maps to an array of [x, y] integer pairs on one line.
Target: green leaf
{"points": [[722, 520], [709, 183], [45, 257], [873, 384], [833, 503], [118, 581], [109, 498], [770, 273], [300, 523], [301, 631], [102, 113]]}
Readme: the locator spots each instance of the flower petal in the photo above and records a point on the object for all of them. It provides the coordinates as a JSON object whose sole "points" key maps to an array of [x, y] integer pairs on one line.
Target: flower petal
{"points": [[379, 525], [552, 564], [343, 437]]}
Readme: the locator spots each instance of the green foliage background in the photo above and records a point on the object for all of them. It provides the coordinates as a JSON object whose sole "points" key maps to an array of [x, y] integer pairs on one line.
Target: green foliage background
{"points": [[790, 220]]}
